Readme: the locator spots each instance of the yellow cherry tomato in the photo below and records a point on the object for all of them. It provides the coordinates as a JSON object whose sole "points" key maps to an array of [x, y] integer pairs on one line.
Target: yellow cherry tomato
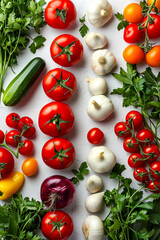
{"points": [[133, 54], [157, 4], [29, 166], [133, 13]]}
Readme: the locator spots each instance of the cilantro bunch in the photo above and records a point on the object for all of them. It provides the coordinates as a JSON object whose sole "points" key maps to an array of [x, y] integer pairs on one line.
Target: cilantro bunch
{"points": [[17, 19], [131, 216]]}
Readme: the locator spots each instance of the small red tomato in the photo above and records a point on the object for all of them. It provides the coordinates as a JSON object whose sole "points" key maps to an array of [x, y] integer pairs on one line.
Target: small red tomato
{"points": [[26, 147], [26, 123], [121, 130], [152, 28], [13, 137], [95, 136], [6, 163], [145, 136], [154, 186], [132, 34], [130, 145], [30, 132], [1, 136], [136, 160], [141, 174], [155, 170], [135, 118], [151, 153], [12, 120]]}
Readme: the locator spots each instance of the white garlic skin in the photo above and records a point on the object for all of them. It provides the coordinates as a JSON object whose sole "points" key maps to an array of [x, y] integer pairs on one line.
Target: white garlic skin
{"points": [[94, 202], [93, 228], [94, 184], [95, 40], [97, 86], [103, 62], [99, 12]]}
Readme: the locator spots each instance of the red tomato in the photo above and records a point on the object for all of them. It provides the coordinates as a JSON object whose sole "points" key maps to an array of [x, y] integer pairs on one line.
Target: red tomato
{"points": [[121, 130], [6, 163], [12, 120], [130, 145], [60, 13], [141, 174], [57, 225], [1, 136], [137, 119], [152, 28], [145, 136], [13, 137], [59, 84], [58, 153], [132, 34], [136, 160], [95, 136], [154, 186], [56, 119], [24, 121], [151, 153], [27, 124], [153, 57], [26, 147], [66, 50], [155, 170]]}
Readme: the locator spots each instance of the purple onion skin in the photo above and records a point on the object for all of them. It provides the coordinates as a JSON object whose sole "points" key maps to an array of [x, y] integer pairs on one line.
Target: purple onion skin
{"points": [[58, 186]]}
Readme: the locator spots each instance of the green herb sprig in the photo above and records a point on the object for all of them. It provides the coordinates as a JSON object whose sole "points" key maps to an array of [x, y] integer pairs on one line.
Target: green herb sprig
{"points": [[83, 29], [79, 174]]}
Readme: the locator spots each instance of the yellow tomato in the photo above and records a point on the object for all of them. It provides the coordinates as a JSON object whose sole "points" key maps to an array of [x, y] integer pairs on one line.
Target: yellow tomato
{"points": [[157, 5], [133, 13], [29, 167]]}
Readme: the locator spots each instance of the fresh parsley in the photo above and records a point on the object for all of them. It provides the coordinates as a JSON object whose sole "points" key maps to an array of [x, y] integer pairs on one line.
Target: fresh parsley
{"points": [[83, 29], [79, 174], [123, 23]]}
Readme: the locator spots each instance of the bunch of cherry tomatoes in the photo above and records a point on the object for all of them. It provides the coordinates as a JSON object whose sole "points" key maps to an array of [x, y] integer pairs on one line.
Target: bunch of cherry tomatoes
{"points": [[142, 27], [139, 141]]}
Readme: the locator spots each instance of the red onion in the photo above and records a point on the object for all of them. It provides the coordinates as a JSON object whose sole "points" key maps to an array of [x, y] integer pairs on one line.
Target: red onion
{"points": [[57, 191]]}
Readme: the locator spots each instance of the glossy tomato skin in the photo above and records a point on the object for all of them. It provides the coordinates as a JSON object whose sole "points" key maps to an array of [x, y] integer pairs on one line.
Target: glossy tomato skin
{"points": [[55, 21], [133, 54], [154, 186], [141, 174], [1, 136], [24, 121], [153, 57], [27, 121], [145, 136], [12, 138], [57, 112], [151, 152], [153, 28], [6, 163], [131, 141], [95, 136], [133, 161], [133, 13], [57, 87], [12, 120], [66, 229], [26, 147], [54, 150], [155, 170], [121, 130], [132, 34], [29, 166], [64, 40], [136, 117]]}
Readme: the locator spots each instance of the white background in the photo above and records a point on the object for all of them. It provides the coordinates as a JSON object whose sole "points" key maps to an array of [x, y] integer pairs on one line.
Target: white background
{"points": [[36, 99]]}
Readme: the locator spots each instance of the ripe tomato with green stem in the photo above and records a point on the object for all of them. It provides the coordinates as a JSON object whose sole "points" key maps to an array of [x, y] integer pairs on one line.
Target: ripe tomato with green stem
{"points": [[141, 174], [136, 160], [26, 147], [151, 152], [130, 144], [134, 118], [121, 129], [59, 84], [145, 136], [1, 136], [155, 170], [57, 225], [154, 186], [132, 34], [58, 153], [152, 26], [26, 124], [12, 120], [13, 138], [6, 163]]}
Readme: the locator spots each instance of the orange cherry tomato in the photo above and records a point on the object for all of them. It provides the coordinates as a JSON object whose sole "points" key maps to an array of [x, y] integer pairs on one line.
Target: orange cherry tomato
{"points": [[29, 167], [133, 13], [157, 4], [153, 57], [133, 54]]}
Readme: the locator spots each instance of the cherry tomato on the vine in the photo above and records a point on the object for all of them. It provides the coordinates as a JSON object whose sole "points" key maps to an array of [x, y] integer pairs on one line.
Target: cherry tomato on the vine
{"points": [[13, 137], [95, 136], [57, 225], [137, 119], [153, 57], [152, 28], [133, 54], [155, 170], [27, 123], [66, 50], [145, 136], [132, 34], [59, 84], [29, 166], [121, 130], [130, 145], [12, 120], [136, 160], [60, 14], [133, 13], [6, 163], [151, 152], [154, 186], [26, 147], [157, 4], [1, 136], [58, 153], [141, 174]]}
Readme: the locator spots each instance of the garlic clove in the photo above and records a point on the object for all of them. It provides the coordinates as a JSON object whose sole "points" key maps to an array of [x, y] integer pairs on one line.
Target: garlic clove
{"points": [[97, 86], [94, 202], [95, 40], [94, 184]]}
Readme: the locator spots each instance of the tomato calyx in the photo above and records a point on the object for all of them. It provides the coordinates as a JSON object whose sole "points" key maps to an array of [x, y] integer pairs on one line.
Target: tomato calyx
{"points": [[66, 50], [60, 154], [62, 14], [57, 225], [2, 166], [15, 118], [61, 82]]}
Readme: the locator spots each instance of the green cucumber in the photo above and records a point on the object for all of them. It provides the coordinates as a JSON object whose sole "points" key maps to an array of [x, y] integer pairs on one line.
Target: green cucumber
{"points": [[21, 84]]}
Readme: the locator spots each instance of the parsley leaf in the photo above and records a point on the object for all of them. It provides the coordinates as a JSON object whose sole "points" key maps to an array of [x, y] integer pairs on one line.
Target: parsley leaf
{"points": [[79, 175], [83, 29], [123, 23]]}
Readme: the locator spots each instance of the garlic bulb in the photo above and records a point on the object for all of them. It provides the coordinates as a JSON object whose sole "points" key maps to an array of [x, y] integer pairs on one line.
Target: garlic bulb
{"points": [[99, 107], [94, 202], [101, 159], [93, 228], [95, 40], [94, 184], [99, 12], [103, 61], [97, 86]]}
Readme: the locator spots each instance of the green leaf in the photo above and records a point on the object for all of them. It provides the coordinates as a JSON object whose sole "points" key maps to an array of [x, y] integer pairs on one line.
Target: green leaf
{"points": [[121, 78], [117, 171], [119, 16], [11, 18], [83, 29], [83, 170]]}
